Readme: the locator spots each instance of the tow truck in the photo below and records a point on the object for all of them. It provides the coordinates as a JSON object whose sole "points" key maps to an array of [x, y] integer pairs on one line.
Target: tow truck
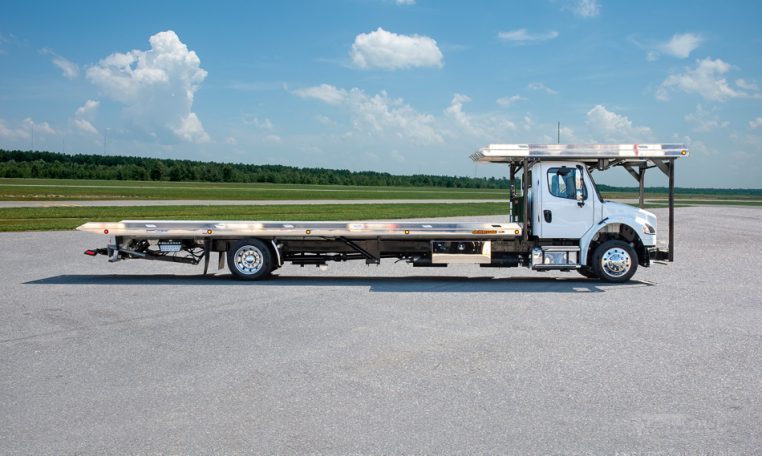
{"points": [[557, 220]]}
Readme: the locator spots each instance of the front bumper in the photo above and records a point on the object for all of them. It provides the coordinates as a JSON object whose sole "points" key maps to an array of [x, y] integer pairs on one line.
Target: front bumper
{"points": [[654, 254]]}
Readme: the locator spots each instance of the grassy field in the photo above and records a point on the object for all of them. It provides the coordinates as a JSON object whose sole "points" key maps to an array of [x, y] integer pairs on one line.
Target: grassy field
{"points": [[64, 218], [69, 189], [64, 189]]}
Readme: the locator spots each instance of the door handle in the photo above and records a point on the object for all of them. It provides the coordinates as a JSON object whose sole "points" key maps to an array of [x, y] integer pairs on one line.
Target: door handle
{"points": [[548, 215]]}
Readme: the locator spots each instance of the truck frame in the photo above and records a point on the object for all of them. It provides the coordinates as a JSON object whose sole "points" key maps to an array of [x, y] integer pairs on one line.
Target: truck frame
{"points": [[557, 222]]}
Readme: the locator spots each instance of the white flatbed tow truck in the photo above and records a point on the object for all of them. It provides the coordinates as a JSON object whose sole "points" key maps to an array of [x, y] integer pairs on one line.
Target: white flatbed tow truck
{"points": [[557, 222]]}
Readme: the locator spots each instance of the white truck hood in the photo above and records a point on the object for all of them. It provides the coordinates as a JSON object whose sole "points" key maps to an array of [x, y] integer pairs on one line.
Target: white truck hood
{"points": [[612, 209]]}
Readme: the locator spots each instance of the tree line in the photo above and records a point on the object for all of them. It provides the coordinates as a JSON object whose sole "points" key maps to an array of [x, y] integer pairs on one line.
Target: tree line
{"points": [[53, 165]]}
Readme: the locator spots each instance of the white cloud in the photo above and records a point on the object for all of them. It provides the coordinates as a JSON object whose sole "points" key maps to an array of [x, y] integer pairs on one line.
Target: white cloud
{"points": [[25, 130], [521, 36], [455, 111], [405, 2], [508, 101], [84, 115], [706, 80], [397, 156], [378, 114], [11, 133], [747, 85], [608, 126], [583, 8], [156, 86], [69, 69], [390, 51], [324, 92], [485, 126], [85, 125], [681, 45], [705, 121], [567, 135], [756, 123], [190, 129], [262, 124], [42, 128], [325, 120], [539, 86]]}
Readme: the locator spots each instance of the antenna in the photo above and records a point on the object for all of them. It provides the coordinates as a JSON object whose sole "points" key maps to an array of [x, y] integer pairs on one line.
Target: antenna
{"points": [[559, 132]]}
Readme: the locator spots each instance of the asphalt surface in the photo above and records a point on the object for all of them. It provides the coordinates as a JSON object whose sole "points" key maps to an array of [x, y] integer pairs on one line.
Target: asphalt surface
{"points": [[152, 358]]}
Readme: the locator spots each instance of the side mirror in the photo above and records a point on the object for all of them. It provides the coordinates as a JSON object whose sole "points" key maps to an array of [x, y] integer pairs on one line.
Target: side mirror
{"points": [[578, 186]]}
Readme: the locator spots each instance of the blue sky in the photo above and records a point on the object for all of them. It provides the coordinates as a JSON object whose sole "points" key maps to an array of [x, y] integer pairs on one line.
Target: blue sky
{"points": [[404, 86]]}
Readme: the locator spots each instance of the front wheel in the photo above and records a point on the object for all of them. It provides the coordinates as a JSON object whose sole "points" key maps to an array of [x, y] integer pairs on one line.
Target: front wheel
{"points": [[615, 261], [250, 259]]}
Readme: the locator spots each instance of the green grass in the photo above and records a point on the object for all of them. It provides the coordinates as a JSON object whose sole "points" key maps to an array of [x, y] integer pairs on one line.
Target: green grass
{"points": [[70, 189], [65, 218]]}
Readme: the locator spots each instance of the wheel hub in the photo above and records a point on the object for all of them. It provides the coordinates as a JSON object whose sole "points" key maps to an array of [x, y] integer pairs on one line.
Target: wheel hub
{"points": [[616, 262], [248, 259]]}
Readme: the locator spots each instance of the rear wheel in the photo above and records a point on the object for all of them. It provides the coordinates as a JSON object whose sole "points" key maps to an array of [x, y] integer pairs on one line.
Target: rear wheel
{"points": [[615, 261], [250, 259]]}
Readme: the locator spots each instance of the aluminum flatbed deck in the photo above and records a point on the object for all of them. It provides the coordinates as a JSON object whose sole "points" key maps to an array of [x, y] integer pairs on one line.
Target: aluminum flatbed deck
{"points": [[171, 229], [587, 153]]}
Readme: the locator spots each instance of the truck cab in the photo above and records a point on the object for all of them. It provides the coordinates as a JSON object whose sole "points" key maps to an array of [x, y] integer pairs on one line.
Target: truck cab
{"points": [[567, 210]]}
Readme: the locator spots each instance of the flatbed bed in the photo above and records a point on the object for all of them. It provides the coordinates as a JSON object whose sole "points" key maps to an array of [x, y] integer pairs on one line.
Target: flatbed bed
{"points": [[172, 229]]}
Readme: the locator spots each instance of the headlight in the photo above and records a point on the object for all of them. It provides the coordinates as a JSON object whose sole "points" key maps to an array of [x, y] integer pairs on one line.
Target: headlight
{"points": [[648, 229]]}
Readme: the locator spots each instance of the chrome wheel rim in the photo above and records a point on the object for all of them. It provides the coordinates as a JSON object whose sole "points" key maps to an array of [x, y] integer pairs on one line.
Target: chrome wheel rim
{"points": [[616, 262], [248, 260]]}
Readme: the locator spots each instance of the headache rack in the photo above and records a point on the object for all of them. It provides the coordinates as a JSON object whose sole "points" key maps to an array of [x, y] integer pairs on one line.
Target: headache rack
{"points": [[635, 158]]}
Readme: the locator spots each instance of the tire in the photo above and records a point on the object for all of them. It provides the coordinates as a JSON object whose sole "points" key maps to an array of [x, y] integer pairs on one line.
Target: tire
{"points": [[615, 261], [250, 259], [588, 272]]}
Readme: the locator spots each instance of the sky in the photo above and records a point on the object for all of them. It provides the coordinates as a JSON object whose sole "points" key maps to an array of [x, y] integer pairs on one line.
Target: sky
{"points": [[400, 86]]}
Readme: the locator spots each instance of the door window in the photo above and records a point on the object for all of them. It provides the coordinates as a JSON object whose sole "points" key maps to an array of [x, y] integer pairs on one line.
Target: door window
{"points": [[562, 183]]}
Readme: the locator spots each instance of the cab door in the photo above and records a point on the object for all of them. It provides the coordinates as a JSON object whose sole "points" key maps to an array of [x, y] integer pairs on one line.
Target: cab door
{"points": [[562, 215]]}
